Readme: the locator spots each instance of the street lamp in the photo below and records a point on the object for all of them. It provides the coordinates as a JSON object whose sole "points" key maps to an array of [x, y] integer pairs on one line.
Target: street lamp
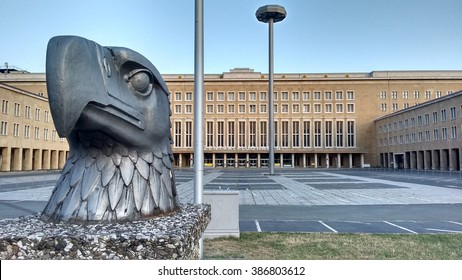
{"points": [[271, 14]]}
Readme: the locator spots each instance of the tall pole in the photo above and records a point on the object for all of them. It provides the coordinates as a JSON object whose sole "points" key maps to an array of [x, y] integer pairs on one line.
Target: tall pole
{"points": [[271, 14], [198, 101], [199, 108], [271, 97]]}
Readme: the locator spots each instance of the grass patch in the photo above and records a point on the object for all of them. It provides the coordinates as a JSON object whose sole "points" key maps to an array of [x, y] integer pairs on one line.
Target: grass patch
{"points": [[329, 246]]}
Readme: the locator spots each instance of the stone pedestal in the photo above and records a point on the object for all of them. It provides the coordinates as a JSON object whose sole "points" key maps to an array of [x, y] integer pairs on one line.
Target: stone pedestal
{"points": [[174, 236]]}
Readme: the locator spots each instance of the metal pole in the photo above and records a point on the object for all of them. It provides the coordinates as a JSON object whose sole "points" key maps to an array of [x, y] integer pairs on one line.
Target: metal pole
{"points": [[270, 99], [198, 101]]}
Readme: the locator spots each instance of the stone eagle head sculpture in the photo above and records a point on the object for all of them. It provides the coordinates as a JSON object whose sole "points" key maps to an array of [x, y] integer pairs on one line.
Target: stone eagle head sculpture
{"points": [[112, 105]]}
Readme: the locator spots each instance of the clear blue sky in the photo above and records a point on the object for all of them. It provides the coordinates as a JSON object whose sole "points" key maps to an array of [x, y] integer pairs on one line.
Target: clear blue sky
{"points": [[317, 36]]}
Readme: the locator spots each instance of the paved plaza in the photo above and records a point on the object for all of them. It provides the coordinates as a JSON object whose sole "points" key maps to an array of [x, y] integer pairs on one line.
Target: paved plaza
{"points": [[298, 200]]}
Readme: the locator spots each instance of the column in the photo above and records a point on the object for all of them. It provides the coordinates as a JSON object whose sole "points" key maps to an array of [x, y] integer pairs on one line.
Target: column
{"points": [[315, 160], [6, 158], [16, 154], [362, 160], [281, 159], [339, 160], [247, 160], [327, 161], [213, 160], [304, 160], [27, 161], [54, 159], [235, 160], [293, 160], [225, 160], [350, 160], [258, 160]]}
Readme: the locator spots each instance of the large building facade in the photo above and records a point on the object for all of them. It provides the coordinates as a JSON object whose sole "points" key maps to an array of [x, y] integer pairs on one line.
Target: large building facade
{"points": [[321, 120], [427, 136]]}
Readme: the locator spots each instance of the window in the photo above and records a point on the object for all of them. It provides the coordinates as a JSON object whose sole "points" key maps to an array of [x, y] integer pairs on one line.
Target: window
{"points": [[275, 108], [428, 94], [5, 106], [285, 134], [339, 108], [252, 96], [317, 134], [454, 132], [275, 96], [351, 134], [27, 131], [209, 96], [284, 108], [317, 95], [231, 109], [444, 133], [438, 94], [317, 108], [16, 129], [328, 134], [339, 95], [328, 95], [37, 114], [295, 96], [435, 134], [37, 133], [383, 107], [188, 109], [443, 115], [252, 108], [220, 109], [177, 142], [17, 109], [241, 108], [220, 96], [3, 128], [220, 133], [427, 119], [295, 108], [263, 108], [328, 108], [306, 134], [284, 95], [435, 117], [209, 132], [231, 143], [231, 96], [394, 107], [306, 95], [263, 96], [177, 96], [339, 134], [350, 95], [54, 135], [276, 141], [241, 138], [188, 134], [350, 108], [453, 113], [47, 116], [383, 95], [241, 96], [189, 96], [252, 134], [427, 135], [27, 112], [210, 109], [295, 134], [405, 95], [419, 121], [177, 109], [306, 108], [416, 94], [263, 134]]}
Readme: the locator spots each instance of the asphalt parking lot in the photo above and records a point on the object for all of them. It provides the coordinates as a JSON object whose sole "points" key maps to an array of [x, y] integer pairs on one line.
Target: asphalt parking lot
{"points": [[299, 200]]}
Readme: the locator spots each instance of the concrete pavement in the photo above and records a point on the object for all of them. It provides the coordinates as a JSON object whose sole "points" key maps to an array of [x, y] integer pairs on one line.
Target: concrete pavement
{"points": [[328, 200]]}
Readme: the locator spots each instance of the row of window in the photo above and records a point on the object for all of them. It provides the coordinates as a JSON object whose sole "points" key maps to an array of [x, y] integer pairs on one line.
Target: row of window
{"points": [[419, 137], [253, 134], [416, 94], [27, 132], [426, 119], [252, 108], [27, 111], [262, 95]]}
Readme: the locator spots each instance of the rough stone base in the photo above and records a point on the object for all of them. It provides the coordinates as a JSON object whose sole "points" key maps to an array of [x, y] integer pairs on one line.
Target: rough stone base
{"points": [[174, 236]]}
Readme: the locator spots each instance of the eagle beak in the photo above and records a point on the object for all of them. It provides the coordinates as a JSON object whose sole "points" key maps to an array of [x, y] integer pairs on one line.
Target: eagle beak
{"points": [[69, 61]]}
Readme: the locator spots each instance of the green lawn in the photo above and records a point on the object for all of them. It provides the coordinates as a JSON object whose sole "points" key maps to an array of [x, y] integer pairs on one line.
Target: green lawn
{"points": [[330, 246]]}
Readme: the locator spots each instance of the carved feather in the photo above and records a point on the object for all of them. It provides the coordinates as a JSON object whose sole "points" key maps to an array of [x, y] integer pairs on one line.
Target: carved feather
{"points": [[115, 188], [126, 170]]}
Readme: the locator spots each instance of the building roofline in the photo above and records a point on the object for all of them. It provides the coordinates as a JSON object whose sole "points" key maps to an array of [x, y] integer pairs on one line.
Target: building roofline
{"points": [[21, 91]]}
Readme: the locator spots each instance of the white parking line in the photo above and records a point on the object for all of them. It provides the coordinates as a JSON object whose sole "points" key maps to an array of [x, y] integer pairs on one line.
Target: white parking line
{"points": [[257, 224], [444, 230], [460, 224], [327, 226], [403, 228]]}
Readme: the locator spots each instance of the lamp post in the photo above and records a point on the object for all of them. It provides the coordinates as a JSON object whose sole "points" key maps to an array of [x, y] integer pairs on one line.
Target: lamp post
{"points": [[271, 14]]}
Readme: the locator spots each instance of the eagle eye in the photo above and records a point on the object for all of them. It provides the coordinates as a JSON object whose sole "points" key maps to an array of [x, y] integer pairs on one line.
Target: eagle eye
{"points": [[140, 80]]}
